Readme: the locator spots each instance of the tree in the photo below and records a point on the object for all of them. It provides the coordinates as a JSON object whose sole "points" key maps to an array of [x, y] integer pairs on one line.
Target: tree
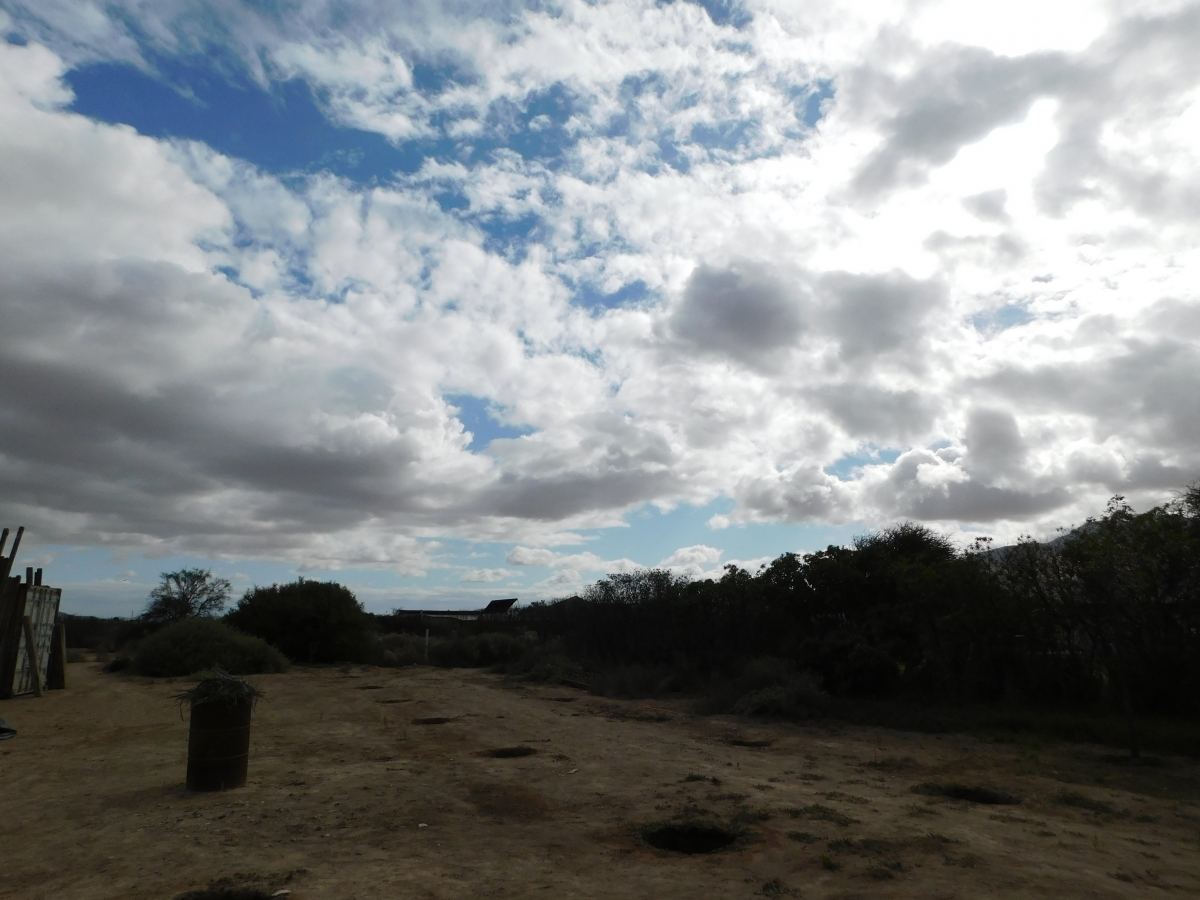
{"points": [[187, 594], [1137, 599]]}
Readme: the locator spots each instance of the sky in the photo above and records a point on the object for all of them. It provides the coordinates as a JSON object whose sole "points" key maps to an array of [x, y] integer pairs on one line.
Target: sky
{"points": [[457, 301]]}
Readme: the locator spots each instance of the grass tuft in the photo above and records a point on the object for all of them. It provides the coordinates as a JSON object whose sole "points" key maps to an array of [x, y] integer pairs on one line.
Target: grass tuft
{"points": [[1082, 801], [821, 813]]}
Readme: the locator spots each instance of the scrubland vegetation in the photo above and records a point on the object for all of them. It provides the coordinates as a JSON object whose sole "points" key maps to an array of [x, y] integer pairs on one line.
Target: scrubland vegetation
{"points": [[1093, 636]]}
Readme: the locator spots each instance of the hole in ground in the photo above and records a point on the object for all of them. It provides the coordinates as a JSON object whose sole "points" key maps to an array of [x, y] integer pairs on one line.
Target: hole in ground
{"points": [[510, 752], [688, 837], [433, 720], [967, 792], [223, 893]]}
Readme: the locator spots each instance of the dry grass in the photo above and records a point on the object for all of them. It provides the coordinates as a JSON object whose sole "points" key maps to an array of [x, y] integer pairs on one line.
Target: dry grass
{"points": [[341, 779]]}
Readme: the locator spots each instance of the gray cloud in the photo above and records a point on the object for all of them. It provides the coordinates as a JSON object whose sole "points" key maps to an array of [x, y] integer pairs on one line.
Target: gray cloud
{"points": [[877, 414], [973, 502], [1145, 392], [988, 206], [903, 492], [873, 315], [745, 312], [1132, 79], [994, 441], [957, 96]]}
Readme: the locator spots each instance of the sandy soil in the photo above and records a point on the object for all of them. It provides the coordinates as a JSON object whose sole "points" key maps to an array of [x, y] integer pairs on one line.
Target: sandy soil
{"points": [[349, 798]]}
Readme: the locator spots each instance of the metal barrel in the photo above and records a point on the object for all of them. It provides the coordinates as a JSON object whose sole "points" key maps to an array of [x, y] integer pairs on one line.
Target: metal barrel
{"points": [[218, 745]]}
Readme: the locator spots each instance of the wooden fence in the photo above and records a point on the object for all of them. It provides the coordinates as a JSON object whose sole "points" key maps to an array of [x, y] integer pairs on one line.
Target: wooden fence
{"points": [[33, 651]]}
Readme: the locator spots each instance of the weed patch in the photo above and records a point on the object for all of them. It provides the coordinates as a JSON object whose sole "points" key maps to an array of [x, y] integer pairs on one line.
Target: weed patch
{"points": [[885, 872], [892, 763], [732, 797], [752, 815], [776, 888], [1082, 801], [821, 813]]}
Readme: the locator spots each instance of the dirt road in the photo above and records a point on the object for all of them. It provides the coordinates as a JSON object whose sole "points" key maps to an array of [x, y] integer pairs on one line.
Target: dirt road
{"points": [[350, 798]]}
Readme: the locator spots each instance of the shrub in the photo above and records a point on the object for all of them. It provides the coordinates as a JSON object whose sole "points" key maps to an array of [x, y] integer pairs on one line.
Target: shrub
{"points": [[310, 621], [465, 651], [769, 687], [194, 645]]}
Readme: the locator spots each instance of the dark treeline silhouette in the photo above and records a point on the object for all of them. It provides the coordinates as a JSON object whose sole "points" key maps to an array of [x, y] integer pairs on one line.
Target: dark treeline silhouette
{"points": [[1108, 614]]}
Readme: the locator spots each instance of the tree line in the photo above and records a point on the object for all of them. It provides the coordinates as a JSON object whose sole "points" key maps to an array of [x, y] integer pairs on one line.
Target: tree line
{"points": [[1107, 614]]}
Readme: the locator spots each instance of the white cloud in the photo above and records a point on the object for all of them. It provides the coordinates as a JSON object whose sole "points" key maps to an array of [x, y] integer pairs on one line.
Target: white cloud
{"points": [[583, 562], [486, 576], [686, 556]]}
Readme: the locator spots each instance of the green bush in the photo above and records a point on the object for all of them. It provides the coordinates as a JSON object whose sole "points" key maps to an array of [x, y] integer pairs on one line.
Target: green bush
{"points": [[194, 645], [310, 621]]}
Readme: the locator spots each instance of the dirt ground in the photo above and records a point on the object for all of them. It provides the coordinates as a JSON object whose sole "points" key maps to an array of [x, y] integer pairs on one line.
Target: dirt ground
{"points": [[350, 798]]}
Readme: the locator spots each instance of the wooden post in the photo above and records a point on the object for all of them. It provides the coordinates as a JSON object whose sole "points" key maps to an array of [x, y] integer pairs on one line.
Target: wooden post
{"points": [[31, 655], [56, 676]]}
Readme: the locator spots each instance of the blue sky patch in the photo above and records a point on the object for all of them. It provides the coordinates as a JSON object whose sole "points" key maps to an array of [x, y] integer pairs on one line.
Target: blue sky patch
{"points": [[481, 417], [844, 468], [285, 129], [725, 12], [432, 77], [591, 296], [995, 320], [670, 153], [536, 129], [281, 130], [452, 200], [653, 535], [510, 237], [811, 106]]}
